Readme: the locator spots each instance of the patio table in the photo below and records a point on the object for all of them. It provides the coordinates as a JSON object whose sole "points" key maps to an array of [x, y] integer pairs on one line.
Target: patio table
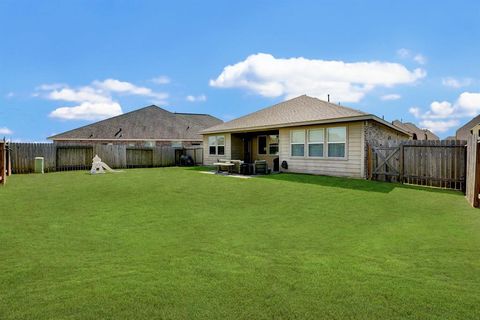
{"points": [[229, 166]]}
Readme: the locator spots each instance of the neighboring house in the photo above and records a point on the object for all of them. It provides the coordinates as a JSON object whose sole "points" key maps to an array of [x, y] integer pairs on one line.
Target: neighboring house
{"points": [[450, 138], [148, 126], [468, 128], [310, 135], [416, 132]]}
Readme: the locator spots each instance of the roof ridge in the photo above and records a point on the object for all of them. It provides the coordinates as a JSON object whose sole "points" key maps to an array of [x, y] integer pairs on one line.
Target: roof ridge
{"points": [[334, 104], [108, 119], [329, 104], [195, 114]]}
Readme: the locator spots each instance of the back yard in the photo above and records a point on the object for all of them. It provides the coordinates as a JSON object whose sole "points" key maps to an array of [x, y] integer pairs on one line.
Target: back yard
{"points": [[177, 244]]}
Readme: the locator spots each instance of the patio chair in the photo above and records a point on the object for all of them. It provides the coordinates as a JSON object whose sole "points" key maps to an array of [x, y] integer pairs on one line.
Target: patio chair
{"points": [[261, 167], [238, 164]]}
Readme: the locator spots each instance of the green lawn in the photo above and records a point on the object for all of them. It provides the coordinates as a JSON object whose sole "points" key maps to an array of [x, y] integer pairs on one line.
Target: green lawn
{"points": [[173, 243]]}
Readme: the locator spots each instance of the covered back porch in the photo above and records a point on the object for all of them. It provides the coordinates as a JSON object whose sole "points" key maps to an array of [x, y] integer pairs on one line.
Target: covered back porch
{"points": [[259, 145]]}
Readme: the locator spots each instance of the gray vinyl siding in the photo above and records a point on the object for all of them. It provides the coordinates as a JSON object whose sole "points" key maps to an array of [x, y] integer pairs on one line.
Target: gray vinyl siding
{"points": [[351, 166]]}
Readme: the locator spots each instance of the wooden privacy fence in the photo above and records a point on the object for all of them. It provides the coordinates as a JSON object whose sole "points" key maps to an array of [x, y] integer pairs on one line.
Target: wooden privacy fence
{"points": [[79, 157], [473, 171], [196, 153], [432, 163]]}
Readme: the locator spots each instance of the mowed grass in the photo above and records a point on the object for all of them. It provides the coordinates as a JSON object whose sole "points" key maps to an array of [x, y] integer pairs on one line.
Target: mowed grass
{"points": [[173, 243]]}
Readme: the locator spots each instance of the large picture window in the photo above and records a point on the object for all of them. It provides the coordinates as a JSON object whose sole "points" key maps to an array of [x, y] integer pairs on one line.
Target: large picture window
{"points": [[337, 139], [216, 145], [297, 143], [316, 140]]}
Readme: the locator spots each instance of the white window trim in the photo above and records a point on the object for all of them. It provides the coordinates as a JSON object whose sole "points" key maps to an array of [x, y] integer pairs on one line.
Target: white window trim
{"points": [[315, 142], [292, 143], [325, 144], [345, 157], [268, 145], [216, 145]]}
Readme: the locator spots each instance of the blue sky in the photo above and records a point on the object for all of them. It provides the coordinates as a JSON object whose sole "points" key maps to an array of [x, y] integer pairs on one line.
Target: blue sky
{"points": [[64, 64]]}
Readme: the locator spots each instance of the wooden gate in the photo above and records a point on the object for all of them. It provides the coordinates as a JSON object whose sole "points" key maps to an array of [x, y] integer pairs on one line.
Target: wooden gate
{"points": [[386, 165], [428, 163]]}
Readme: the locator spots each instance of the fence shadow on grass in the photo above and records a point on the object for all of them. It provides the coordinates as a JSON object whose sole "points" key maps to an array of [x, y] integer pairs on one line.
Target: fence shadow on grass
{"points": [[352, 184]]}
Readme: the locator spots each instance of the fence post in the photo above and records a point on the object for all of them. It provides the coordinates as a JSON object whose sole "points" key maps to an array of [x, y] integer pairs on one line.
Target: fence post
{"points": [[401, 160], [472, 173], [2, 162], [477, 175]]}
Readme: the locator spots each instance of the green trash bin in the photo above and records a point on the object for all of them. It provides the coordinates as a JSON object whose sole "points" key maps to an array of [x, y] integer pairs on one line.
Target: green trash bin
{"points": [[39, 163]]}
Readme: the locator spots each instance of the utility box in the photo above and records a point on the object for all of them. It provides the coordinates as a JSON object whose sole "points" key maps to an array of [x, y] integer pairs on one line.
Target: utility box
{"points": [[39, 164]]}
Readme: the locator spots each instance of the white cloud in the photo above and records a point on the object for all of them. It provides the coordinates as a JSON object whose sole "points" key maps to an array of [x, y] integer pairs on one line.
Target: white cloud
{"points": [[415, 111], [420, 59], [439, 126], [439, 110], [114, 85], [199, 98], [79, 95], [443, 115], [404, 53], [95, 101], [10, 95], [268, 76], [392, 96], [161, 80], [88, 111], [5, 131], [469, 103], [456, 83], [51, 86]]}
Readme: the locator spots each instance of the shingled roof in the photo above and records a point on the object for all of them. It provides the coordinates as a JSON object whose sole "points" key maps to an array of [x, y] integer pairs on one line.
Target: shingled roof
{"points": [[465, 131], [149, 123], [297, 111], [421, 134]]}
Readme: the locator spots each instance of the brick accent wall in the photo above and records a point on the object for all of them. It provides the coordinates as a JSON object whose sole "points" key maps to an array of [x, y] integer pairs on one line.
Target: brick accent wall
{"points": [[375, 133]]}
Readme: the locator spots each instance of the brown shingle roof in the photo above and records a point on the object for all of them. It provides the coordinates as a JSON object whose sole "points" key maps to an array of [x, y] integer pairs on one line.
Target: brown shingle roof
{"points": [[421, 134], [299, 110], [464, 131], [150, 122]]}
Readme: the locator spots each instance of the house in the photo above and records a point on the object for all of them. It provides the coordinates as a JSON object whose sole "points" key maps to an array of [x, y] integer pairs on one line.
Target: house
{"points": [[304, 135], [148, 126], [416, 132], [468, 128]]}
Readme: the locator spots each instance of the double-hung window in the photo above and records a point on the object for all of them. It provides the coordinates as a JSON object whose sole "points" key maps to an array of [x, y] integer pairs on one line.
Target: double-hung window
{"points": [[273, 144], [336, 140], [316, 141], [297, 143], [216, 145]]}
